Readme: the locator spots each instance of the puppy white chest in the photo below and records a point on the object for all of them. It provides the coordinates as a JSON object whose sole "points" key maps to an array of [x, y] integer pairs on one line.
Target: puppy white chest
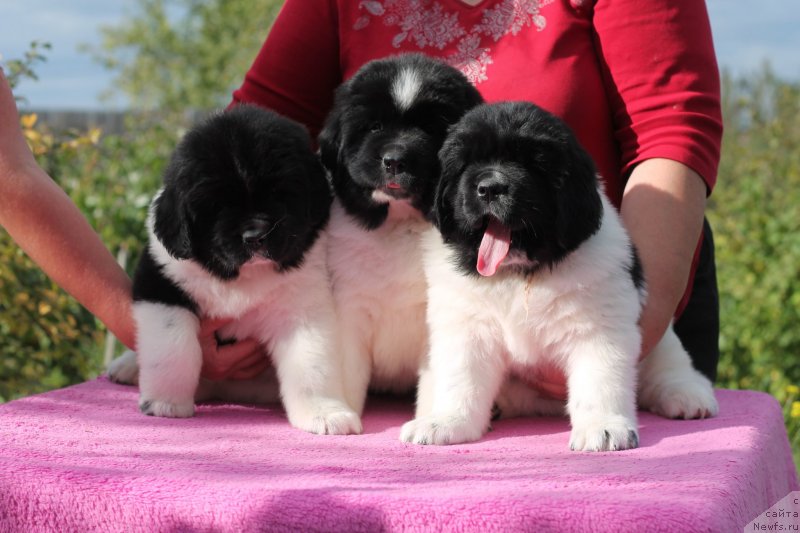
{"points": [[380, 293]]}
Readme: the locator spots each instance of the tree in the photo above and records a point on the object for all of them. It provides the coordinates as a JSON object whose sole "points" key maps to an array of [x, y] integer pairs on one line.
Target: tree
{"points": [[174, 55]]}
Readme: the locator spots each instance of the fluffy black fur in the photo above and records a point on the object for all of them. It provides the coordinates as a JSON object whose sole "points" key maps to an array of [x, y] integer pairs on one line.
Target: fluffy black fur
{"points": [[522, 166], [369, 143], [241, 184]]}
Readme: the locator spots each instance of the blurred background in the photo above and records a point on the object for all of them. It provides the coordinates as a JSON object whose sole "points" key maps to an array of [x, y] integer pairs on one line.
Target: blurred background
{"points": [[81, 67]]}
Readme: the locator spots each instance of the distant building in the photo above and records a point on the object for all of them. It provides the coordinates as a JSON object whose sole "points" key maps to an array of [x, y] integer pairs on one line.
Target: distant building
{"points": [[111, 122]]}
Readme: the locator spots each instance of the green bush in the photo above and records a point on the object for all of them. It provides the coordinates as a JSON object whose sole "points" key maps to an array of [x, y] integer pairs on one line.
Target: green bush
{"points": [[755, 212]]}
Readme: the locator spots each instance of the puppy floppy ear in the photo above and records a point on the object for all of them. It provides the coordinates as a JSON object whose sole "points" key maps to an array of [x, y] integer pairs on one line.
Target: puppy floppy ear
{"points": [[330, 140], [579, 207], [451, 162], [171, 224]]}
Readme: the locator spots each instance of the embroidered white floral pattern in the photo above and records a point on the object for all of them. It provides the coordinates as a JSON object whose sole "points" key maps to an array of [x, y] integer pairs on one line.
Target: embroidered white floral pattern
{"points": [[471, 58], [427, 24], [510, 16]]}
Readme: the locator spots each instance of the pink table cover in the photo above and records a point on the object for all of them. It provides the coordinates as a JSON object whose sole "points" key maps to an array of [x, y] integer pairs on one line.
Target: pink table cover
{"points": [[84, 459]]}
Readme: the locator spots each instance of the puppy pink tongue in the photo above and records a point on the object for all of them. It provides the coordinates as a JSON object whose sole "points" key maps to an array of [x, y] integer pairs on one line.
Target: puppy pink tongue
{"points": [[494, 248]]}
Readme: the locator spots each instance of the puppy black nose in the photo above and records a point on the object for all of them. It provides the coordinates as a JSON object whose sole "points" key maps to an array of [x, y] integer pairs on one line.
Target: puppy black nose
{"points": [[489, 188], [393, 163], [254, 237], [255, 233]]}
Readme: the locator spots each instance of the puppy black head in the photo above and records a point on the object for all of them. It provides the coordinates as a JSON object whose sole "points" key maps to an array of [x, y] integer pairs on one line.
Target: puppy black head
{"points": [[388, 122], [243, 185], [516, 187]]}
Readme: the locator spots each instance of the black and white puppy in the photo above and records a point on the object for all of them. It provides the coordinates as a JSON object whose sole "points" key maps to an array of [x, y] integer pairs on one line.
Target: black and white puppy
{"points": [[380, 146], [531, 268], [237, 232]]}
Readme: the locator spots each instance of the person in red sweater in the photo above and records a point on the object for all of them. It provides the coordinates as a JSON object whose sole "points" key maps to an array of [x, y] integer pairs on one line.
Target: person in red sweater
{"points": [[639, 86]]}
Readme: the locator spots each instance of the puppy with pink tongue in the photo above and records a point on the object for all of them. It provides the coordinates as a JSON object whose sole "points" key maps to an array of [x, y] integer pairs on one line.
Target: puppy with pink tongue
{"points": [[494, 247], [529, 269]]}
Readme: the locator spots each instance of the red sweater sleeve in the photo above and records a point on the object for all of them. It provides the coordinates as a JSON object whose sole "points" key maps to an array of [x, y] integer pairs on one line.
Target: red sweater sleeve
{"points": [[662, 81], [297, 69]]}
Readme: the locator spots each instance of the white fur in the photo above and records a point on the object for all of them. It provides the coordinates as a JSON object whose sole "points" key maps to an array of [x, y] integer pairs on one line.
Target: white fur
{"points": [[580, 317], [379, 290], [405, 88], [291, 313], [169, 358]]}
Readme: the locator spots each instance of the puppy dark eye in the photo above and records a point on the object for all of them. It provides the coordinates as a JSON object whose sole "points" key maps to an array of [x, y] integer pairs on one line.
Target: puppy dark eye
{"points": [[375, 127]]}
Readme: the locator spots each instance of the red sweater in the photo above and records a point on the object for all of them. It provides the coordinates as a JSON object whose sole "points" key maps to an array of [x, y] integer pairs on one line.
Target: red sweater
{"points": [[635, 80]]}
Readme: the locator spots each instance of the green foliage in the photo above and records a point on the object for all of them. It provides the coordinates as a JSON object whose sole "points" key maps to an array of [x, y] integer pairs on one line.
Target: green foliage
{"points": [[172, 55], [48, 339], [16, 69], [755, 212]]}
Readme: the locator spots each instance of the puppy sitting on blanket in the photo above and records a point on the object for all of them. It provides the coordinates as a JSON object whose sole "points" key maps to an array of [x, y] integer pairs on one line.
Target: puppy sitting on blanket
{"points": [[237, 232], [532, 267], [380, 145]]}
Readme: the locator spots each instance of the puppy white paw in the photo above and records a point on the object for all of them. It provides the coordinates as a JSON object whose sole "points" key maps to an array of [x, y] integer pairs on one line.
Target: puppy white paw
{"points": [[166, 409], [685, 398], [330, 419], [610, 434], [441, 430], [124, 369]]}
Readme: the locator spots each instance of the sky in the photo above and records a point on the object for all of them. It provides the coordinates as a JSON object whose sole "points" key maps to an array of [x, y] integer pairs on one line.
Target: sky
{"points": [[746, 33]]}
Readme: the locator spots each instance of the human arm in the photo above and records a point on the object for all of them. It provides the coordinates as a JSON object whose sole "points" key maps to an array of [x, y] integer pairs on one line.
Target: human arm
{"points": [[48, 226], [662, 207]]}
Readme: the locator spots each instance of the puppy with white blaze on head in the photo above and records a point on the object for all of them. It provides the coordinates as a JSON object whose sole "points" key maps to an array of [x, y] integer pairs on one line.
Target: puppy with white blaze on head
{"points": [[237, 231], [531, 268], [380, 145]]}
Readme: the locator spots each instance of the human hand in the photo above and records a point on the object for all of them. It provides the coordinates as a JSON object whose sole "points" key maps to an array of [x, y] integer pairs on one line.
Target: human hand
{"points": [[244, 359], [550, 382]]}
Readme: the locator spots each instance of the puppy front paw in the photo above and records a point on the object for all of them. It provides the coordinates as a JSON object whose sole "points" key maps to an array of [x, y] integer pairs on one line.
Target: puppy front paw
{"points": [[166, 409], [610, 434], [124, 369], [689, 397], [441, 430], [328, 419]]}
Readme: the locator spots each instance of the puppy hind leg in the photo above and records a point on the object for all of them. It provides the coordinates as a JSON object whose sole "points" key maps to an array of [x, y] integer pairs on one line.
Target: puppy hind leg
{"points": [[124, 369], [670, 386], [601, 383], [311, 381], [169, 358]]}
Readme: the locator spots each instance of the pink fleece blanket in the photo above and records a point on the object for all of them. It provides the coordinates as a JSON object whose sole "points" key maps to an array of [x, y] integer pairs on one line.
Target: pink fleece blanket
{"points": [[84, 459]]}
